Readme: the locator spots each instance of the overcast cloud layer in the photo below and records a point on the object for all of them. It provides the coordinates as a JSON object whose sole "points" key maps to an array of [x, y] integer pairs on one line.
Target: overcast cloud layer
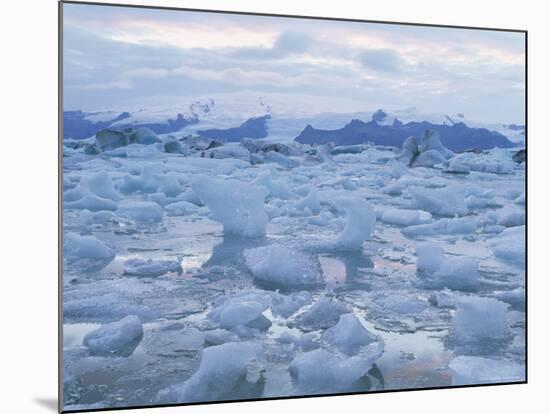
{"points": [[118, 57]]}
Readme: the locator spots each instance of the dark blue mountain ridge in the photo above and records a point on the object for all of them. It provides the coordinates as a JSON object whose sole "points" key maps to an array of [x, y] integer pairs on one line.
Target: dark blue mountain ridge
{"points": [[254, 127], [77, 126], [457, 137]]}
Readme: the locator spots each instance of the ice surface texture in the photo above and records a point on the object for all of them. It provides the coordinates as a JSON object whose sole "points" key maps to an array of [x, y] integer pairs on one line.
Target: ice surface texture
{"points": [[283, 267], [115, 339], [238, 206], [223, 371]]}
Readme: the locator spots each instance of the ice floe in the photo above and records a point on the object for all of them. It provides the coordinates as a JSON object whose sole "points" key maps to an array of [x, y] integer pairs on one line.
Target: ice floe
{"points": [[283, 267], [469, 370], [220, 377], [118, 338], [237, 205], [86, 252]]}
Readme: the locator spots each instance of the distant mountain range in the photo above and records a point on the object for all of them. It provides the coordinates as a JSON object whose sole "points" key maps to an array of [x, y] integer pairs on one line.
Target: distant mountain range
{"points": [[457, 136], [233, 120], [78, 124], [252, 128]]}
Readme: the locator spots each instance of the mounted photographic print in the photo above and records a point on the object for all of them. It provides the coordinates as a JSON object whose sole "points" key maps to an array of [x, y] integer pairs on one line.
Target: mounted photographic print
{"points": [[263, 206]]}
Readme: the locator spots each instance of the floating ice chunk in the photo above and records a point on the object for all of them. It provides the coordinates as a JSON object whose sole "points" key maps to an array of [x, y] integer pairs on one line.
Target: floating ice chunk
{"points": [[115, 339], [173, 146], [109, 139], [496, 161], [430, 142], [348, 149], [219, 336], [94, 192], [145, 136], [448, 201], [309, 341], [151, 180], [180, 208], [510, 245], [477, 370], [87, 252], [320, 371], [349, 335], [232, 150], [360, 221], [190, 196], [511, 217], [462, 225], [287, 305], [456, 166], [401, 217], [236, 205], [311, 202], [479, 318], [88, 218], [168, 184], [141, 212], [150, 268], [101, 185], [228, 371], [403, 303], [91, 202], [282, 160], [428, 158], [437, 271], [409, 150], [322, 315], [474, 202], [515, 297], [245, 311], [277, 188], [397, 169], [429, 257], [145, 182], [283, 267], [459, 273]]}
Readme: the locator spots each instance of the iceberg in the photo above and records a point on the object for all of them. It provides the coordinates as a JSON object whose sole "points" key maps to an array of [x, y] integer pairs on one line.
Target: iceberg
{"points": [[324, 313], [180, 208], [349, 335], [141, 212], [477, 370], [360, 221], [86, 252], [480, 318], [462, 225], [150, 268], [283, 267], [241, 310], [400, 217], [226, 372], [238, 206], [319, 371], [115, 339], [429, 257], [510, 245]]}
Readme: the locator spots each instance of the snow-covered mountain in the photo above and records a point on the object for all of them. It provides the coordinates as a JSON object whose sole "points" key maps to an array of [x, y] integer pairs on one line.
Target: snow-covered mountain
{"points": [[282, 118]]}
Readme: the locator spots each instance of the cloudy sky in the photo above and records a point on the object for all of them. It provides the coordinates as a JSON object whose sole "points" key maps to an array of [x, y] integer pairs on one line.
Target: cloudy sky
{"points": [[117, 57]]}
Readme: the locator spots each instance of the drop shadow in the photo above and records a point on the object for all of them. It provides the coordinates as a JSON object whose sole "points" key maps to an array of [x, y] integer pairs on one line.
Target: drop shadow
{"points": [[48, 403]]}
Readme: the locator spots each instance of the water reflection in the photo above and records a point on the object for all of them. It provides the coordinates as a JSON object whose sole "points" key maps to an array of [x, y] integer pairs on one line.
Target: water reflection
{"points": [[341, 268], [230, 252]]}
